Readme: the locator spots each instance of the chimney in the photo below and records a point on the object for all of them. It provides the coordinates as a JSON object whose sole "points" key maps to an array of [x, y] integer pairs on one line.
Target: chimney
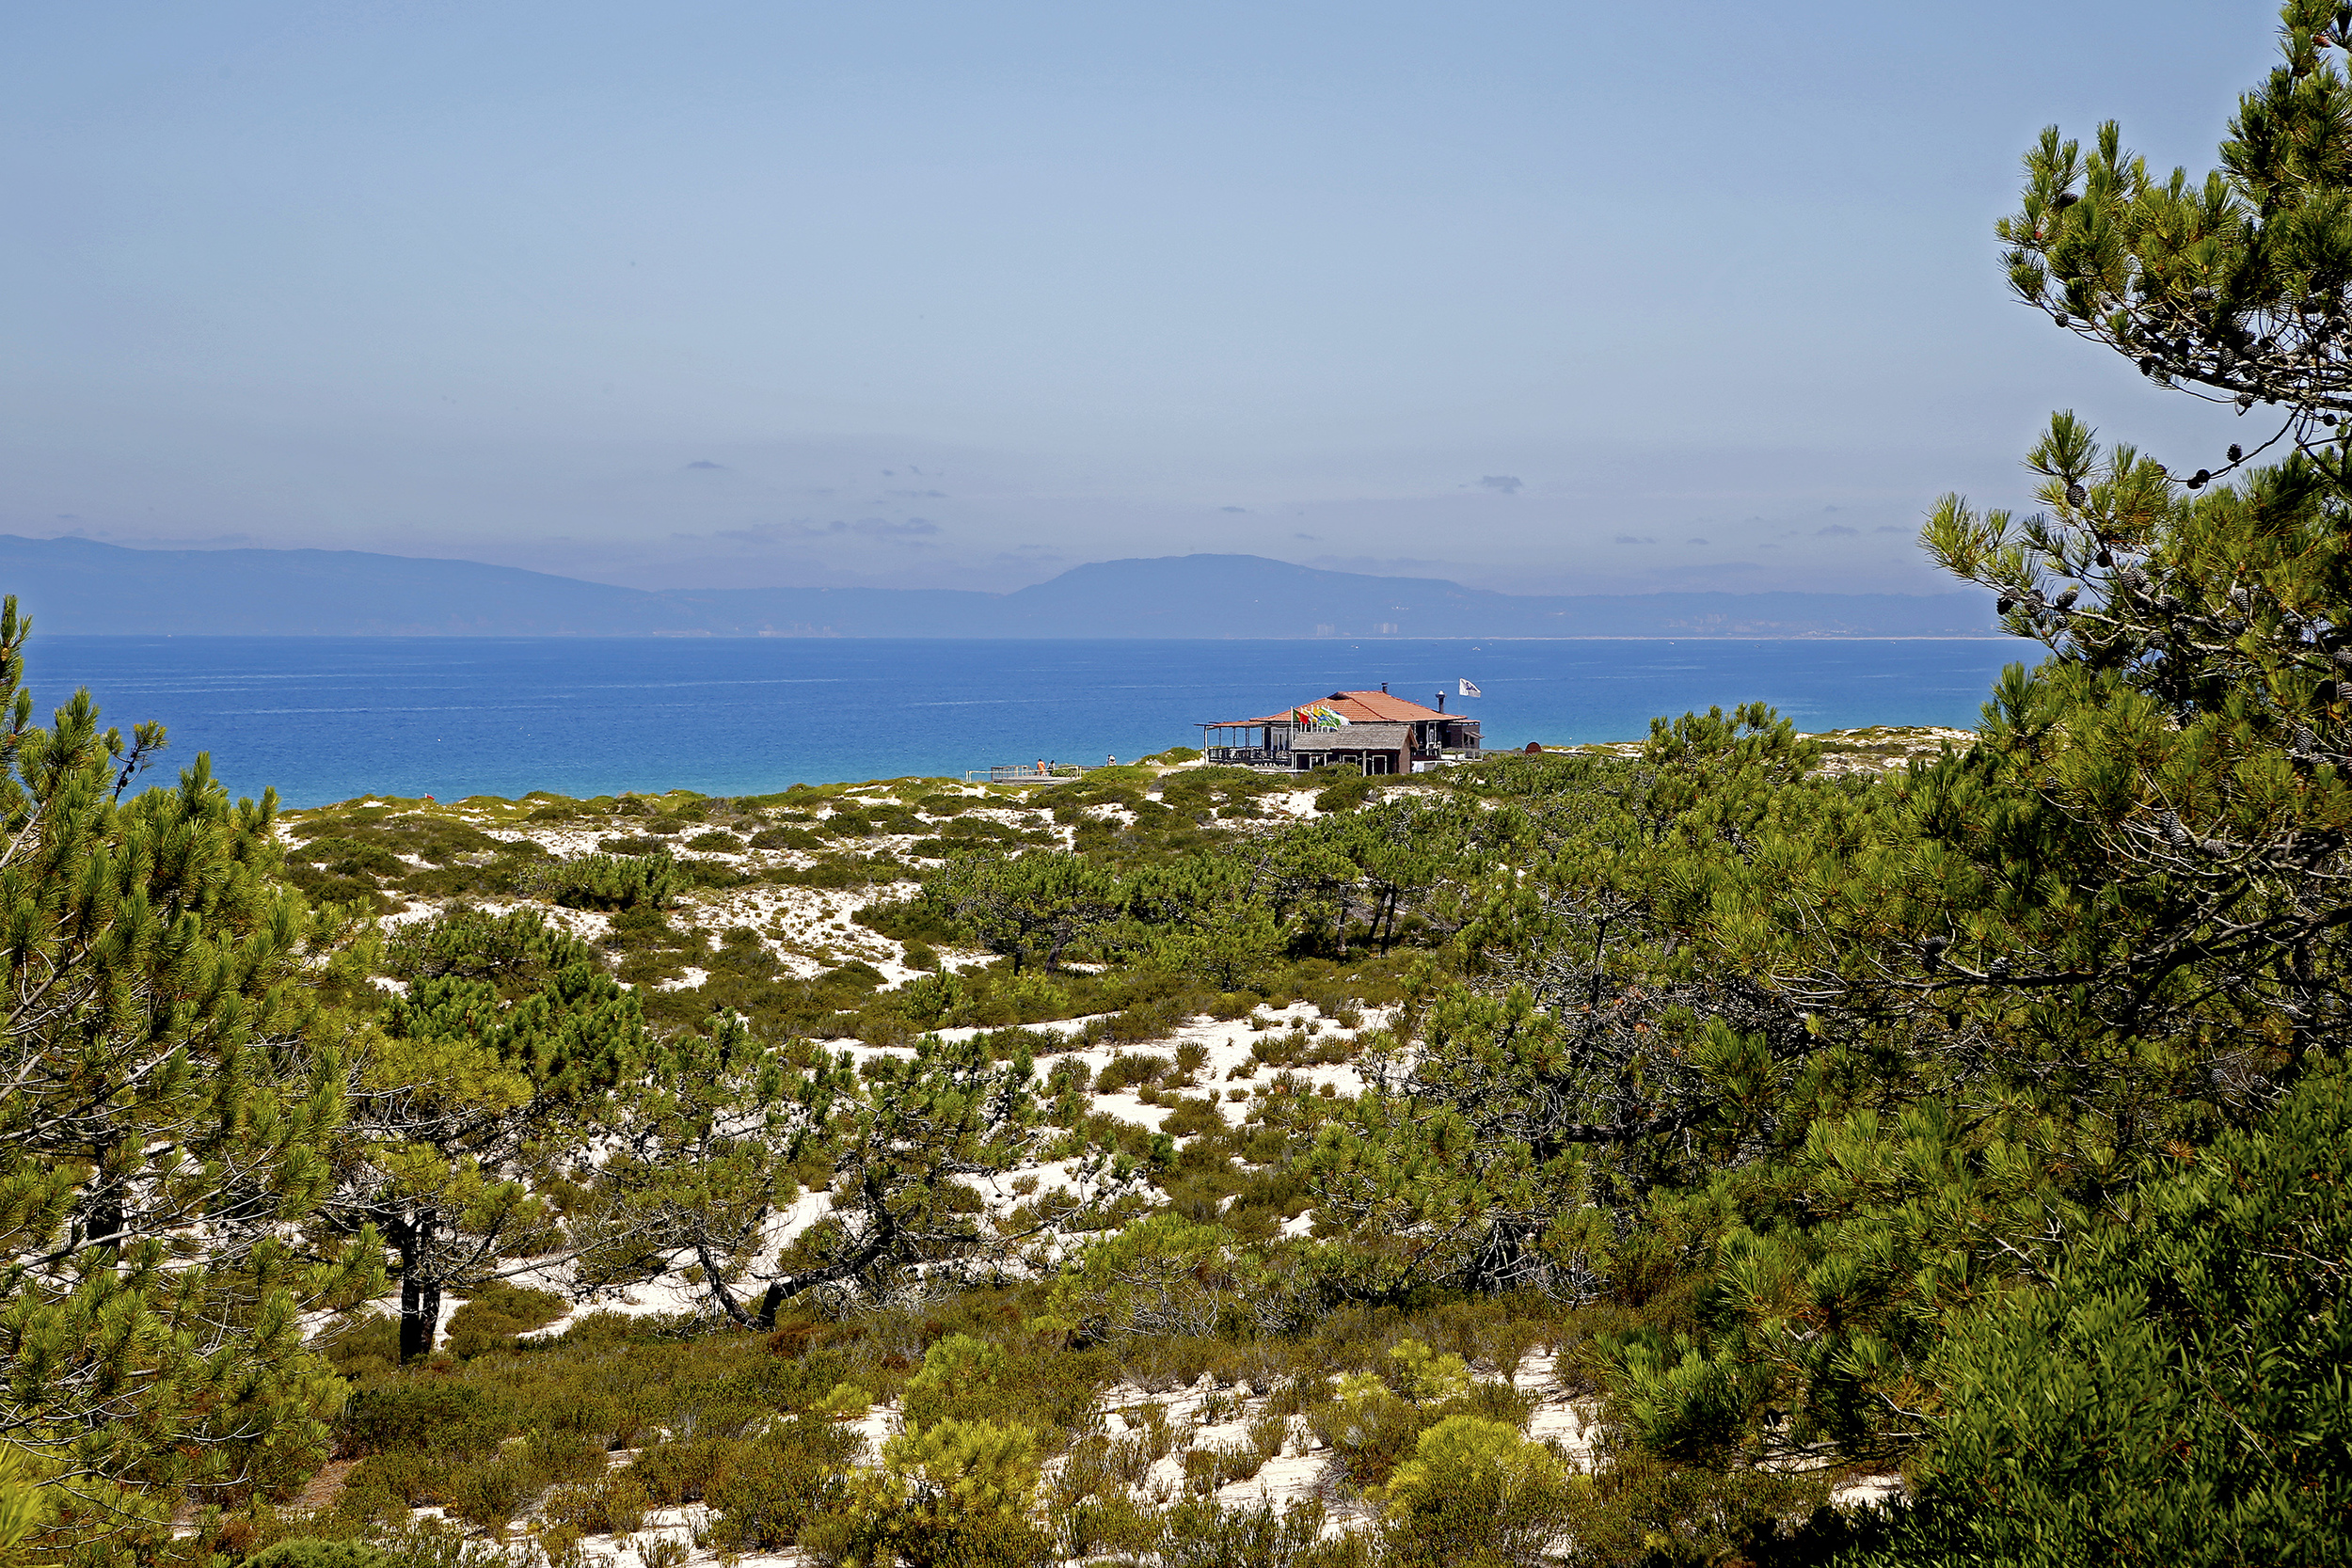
{"points": [[1384, 689], [1440, 701]]}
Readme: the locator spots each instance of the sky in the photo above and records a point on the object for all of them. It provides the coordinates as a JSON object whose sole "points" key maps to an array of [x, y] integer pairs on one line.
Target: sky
{"points": [[1551, 298]]}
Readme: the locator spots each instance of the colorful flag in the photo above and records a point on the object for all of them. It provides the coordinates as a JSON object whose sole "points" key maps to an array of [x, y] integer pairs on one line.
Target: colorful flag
{"points": [[1469, 688]]}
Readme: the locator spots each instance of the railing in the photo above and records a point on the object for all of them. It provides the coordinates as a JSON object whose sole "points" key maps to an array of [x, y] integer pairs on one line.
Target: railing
{"points": [[1023, 772], [1247, 756]]}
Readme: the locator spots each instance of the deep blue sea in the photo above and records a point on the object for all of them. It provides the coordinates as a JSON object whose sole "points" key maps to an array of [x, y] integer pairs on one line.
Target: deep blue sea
{"points": [[331, 719]]}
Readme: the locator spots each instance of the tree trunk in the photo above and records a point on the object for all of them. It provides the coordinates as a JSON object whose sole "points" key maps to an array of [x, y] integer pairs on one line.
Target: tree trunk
{"points": [[419, 1315], [719, 1291], [106, 1215], [420, 1298]]}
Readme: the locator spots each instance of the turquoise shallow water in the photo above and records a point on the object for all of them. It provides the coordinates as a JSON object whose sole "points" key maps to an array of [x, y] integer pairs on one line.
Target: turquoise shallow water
{"points": [[328, 719]]}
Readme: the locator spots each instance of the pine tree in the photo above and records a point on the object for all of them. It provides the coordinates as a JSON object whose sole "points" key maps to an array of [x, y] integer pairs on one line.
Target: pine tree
{"points": [[709, 1150], [902, 1150], [713, 1149], [170, 1082], [1598, 1053], [2049, 967], [493, 1068], [2177, 1393], [2184, 751], [1027, 907]]}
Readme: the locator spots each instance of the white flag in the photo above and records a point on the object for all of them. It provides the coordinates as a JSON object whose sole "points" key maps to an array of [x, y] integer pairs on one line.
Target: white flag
{"points": [[1469, 688]]}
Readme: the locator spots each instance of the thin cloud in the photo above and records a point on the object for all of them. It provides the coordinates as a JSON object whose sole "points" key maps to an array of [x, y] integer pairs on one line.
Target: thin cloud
{"points": [[1633, 539], [870, 528], [1836, 530], [704, 462], [1502, 484]]}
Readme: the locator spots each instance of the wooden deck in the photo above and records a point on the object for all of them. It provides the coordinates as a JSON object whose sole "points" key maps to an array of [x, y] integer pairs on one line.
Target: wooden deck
{"points": [[1023, 772]]}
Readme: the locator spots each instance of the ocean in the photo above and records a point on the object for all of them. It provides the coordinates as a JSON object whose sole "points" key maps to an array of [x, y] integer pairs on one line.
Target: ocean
{"points": [[334, 719]]}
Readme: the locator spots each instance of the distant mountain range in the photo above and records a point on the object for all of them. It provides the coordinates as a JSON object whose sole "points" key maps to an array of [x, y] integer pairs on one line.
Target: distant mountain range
{"points": [[75, 586]]}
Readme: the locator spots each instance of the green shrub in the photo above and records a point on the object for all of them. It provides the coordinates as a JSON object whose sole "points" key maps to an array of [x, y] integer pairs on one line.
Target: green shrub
{"points": [[1162, 1275], [629, 844], [1371, 1429], [1344, 793], [682, 1472], [392, 1483], [495, 1313], [956, 1493], [491, 1492], [849, 871], [973, 1380], [615, 1505], [1642, 1510], [1476, 1491], [917, 919], [615, 881], [348, 857], [1197, 1534], [777, 1486], [2178, 1395], [312, 1552], [365, 1350], [568, 1456], [1192, 1118], [955, 1368], [1129, 1069], [1088, 1524], [428, 1413], [1207, 1469]]}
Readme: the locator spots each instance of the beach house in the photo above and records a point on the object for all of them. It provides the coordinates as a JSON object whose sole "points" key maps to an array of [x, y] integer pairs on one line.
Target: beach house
{"points": [[1369, 730]]}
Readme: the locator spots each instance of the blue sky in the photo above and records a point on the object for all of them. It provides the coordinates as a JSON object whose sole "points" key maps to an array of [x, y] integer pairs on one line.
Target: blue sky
{"points": [[1550, 297]]}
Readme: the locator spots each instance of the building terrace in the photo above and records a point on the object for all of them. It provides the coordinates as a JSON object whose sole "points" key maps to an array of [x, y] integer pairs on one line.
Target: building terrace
{"points": [[1372, 730]]}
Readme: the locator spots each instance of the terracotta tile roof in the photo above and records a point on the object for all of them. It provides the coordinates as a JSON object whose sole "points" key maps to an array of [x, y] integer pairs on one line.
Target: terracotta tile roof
{"points": [[1357, 707]]}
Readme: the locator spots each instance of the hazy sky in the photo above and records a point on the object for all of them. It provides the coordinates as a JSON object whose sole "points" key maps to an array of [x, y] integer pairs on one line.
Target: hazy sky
{"points": [[1557, 298]]}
